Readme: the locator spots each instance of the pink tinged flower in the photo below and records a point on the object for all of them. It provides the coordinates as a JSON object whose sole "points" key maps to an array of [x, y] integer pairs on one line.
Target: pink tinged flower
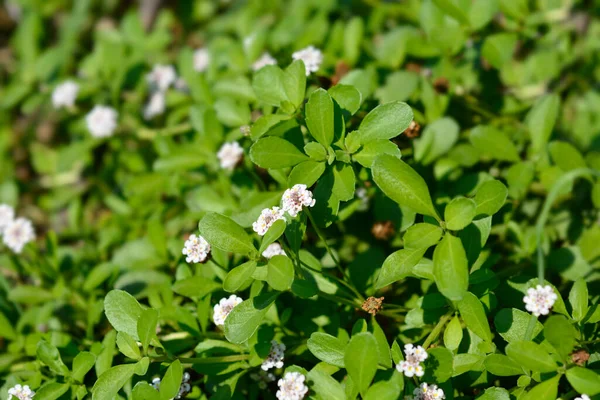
{"points": [[101, 121], [312, 58], [155, 106], [264, 60], [413, 357], [161, 77], [20, 392], [224, 307], [201, 60], [18, 233], [266, 219], [64, 95], [7, 215], [294, 199], [196, 249], [539, 300], [272, 250], [292, 386], [229, 155], [428, 392], [275, 357]]}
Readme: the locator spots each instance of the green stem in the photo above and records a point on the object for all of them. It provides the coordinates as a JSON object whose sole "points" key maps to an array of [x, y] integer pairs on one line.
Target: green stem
{"points": [[437, 330], [337, 299], [214, 360], [320, 235]]}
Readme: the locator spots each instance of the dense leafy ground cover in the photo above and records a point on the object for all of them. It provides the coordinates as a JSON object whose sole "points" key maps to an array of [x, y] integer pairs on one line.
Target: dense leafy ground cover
{"points": [[300, 199]]}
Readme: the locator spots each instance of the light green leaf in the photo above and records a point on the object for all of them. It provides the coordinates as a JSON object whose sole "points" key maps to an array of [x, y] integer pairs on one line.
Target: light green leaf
{"points": [[327, 348], [143, 391], [280, 272], [472, 312], [146, 327], [82, 363], [498, 49], [561, 334], [541, 119], [319, 117], [111, 381], [49, 355], [490, 141], [239, 275], [501, 365], [360, 360], [531, 356], [383, 390], [450, 268], [275, 152], [347, 96], [51, 391], [490, 197], [566, 156], [546, 390], [385, 355], [584, 380], [385, 122], [128, 346], [268, 85], [222, 233], [245, 318], [422, 235], [578, 297], [453, 334], [366, 155], [170, 383], [437, 139], [307, 172], [512, 324], [343, 181], [195, 286], [294, 82], [324, 386], [398, 265], [459, 213]]}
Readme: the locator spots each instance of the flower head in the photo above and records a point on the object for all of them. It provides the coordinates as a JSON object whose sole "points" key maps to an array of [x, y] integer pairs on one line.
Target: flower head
{"points": [[413, 357], [262, 61], [18, 233], [428, 392], [196, 249], [292, 386], [201, 59], [312, 58], [101, 121], [539, 300], [64, 95], [582, 397], [295, 198], [272, 250], [7, 215], [266, 219], [155, 106], [362, 195], [230, 155], [224, 307], [263, 378], [275, 357], [20, 392], [161, 77]]}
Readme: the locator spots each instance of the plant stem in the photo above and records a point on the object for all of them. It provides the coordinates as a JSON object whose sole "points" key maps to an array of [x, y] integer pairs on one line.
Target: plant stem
{"points": [[437, 330], [320, 235], [214, 360]]}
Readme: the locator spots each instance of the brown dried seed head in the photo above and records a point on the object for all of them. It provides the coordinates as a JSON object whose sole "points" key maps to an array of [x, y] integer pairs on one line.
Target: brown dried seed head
{"points": [[580, 357], [441, 85], [341, 69], [413, 130], [383, 230], [372, 305]]}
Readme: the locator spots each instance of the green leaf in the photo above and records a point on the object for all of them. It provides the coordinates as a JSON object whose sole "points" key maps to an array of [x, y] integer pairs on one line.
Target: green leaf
{"points": [[482, 12], [347, 96], [111, 381], [584, 380], [566, 156], [366, 155], [385, 121], [541, 119], [472, 312], [238, 276], [143, 391], [453, 334], [398, 265], [128, 346], [495, 393], [245, 318], [490, 197], [512, 324], [319, 116], [343, 181], [531, 355], [49, 355], [402, 184], [324, 386], [316, 151], [437, 139], [268, 85], [459, 213], [578, 297], [294, 82], [195, 286], [360, 359], [439, 366], [327, 348], [455, 9], [385, 355], [273, 233], [383, 390], [501, 365], [170, 383], [546, 390], [498, 49], [492, 142], [422, 235], [275, 152], [222, 233], [146, 326], [82, 363], [450, 268], [280, 272], [561, 334], [307, 172], [51, 391]]}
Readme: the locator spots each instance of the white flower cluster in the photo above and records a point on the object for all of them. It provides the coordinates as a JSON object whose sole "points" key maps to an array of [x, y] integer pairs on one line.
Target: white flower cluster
{"points": [[101, 121], [262, 61], [428, 392], [312, 58], [263, 378], [201, 60], [224, 307], [15, 232], [184, 389], [362, 195], [539, 300], [267, 218], [294, 199], [160, 79], [292, 386], [20, 392], [413, 357], [272, 250], [196, 249], [229, 155], [582, 397], [64, 95], [275, 357]]}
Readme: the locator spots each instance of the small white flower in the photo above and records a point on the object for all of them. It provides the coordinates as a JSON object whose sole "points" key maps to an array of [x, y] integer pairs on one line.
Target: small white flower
{"points": [[362, 195], [64, 95], [7, 215], [266, 219], [155, 106], [539, 300], [181, 85], [201, 59], [101, 121], [156, 383], [582, 397], [222, 310], [20, 392], [427, 392], [312, 58], [264, 60], [263, 378], [248, 40], [275, 357], [18, 233], [272, 250], [292, 386], [413, 357], [196, 249], [161, 77], [230, 155], [295, 198]]}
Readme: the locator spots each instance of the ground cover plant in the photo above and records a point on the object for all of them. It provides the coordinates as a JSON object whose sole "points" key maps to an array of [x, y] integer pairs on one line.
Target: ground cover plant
{"points": [[300, 199]]}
